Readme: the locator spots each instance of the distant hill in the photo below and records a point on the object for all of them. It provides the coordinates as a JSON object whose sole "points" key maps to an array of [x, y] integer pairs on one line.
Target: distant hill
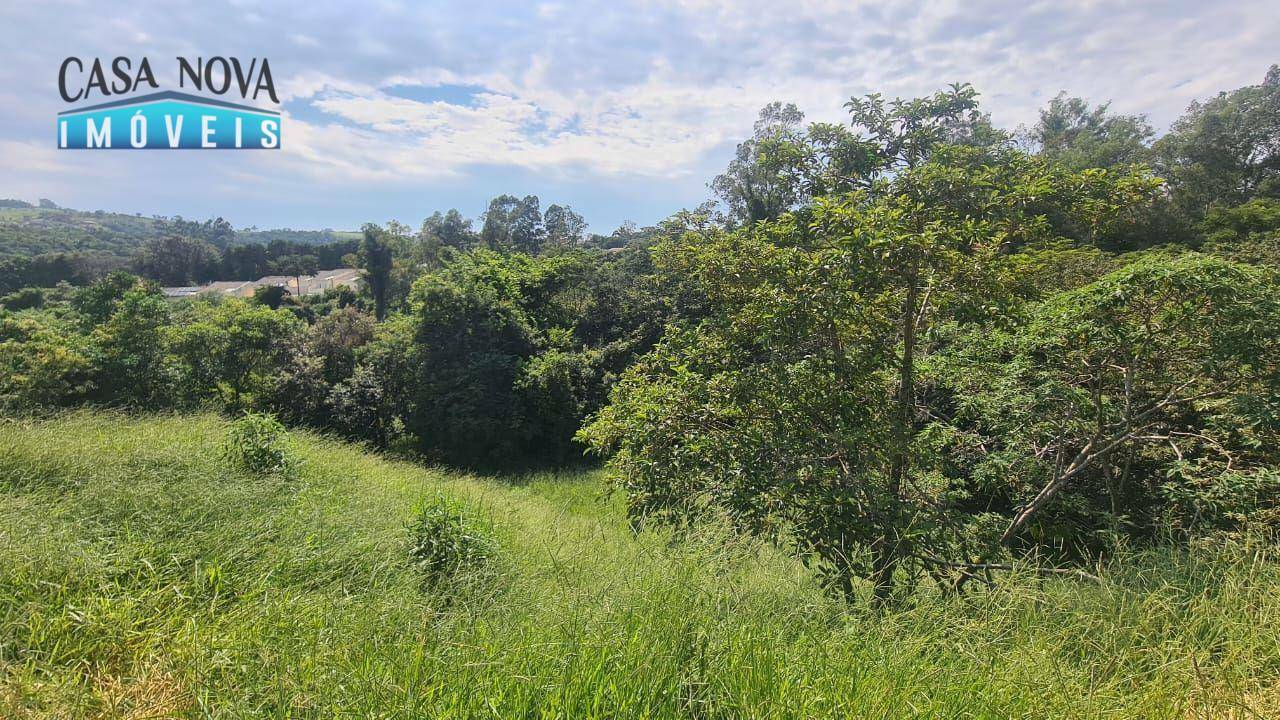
{"points": [[34, 231], [27, 231], [305, 237]]}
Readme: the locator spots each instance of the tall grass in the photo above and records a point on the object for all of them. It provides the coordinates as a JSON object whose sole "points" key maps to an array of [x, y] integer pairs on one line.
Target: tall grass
{"points": [[140, 576]]}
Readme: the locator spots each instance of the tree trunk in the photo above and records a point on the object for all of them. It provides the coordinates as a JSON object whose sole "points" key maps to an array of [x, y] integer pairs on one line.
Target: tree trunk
{"points": [[888, 554]]}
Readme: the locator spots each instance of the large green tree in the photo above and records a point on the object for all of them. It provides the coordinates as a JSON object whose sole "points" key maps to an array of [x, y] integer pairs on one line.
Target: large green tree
{"points": [[1081, 137], [513, 224], [1226, 150], [796, 403], [178, 260], [565, 228], [377, 260]]}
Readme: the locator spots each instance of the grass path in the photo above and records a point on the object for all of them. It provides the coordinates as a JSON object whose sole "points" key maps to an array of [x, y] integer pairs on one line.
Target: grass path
{"points": [[140, 577]]}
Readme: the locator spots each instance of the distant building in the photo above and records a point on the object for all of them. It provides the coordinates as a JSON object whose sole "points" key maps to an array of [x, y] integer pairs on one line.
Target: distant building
{"points": [[294, 285], [332, 279], [230, 288], [175, 293], [288, 282]]}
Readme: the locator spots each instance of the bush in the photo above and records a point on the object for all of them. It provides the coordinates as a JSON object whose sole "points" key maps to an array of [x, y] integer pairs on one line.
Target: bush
{"points": [[41, 365], [448, 545], [24, 299], [258, 445]]}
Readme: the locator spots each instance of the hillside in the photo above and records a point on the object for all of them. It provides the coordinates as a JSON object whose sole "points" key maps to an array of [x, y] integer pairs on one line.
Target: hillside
{"points": [[33, 231], [30, 231], [141, 576]]}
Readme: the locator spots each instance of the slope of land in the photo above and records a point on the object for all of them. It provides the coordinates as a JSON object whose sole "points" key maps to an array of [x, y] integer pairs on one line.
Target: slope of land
{"points": [[34, 231], [141, 577], [27, 232]]}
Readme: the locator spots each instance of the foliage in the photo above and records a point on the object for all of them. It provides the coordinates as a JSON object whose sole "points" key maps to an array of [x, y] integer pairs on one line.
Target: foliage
{"points": [[902, 133], [796, 406], [1226, 150], [1080, 137], [30, 232], [258, 445], [784, 167], [759, 183], [23, 299], [49, 269], [100, 300], [470, 338], [41, 365], [451, 229], [565, 228], [272, 296], [375, 258], [448, 545], [44, 246], [1142, 401], [231, 351], [1259, 216], [875, 348], [128, 351], [513, 225], [323, 357], [178, 260], [508, 353]]}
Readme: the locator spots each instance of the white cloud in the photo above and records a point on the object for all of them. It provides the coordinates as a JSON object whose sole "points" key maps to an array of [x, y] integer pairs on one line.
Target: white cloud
{"points": [[667, 118], [589, 92]]}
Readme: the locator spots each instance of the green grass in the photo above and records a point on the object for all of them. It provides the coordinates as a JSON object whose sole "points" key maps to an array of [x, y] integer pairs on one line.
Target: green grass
{"points": [[140, 577]]}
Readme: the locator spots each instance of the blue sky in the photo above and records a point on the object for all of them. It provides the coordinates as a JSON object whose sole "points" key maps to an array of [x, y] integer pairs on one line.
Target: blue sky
{"points": [[623, 110]]}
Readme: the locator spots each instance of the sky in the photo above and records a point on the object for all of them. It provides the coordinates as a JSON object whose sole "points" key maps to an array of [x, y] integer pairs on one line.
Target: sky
{"points": [[622, 110]]}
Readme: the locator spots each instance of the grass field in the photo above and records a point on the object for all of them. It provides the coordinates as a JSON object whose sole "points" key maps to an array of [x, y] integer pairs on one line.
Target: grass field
{"points": [[140, 577]]}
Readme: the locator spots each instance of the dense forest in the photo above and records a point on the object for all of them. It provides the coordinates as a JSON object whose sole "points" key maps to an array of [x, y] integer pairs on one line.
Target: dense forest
{"points": [[914, 347]]}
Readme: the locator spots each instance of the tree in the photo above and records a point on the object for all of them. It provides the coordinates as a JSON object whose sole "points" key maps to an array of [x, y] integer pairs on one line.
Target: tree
{"points": [[758, 184], [508, 353], [178, 260], [513, 225], [23, 299], [565, 228], [335, 338], [129, 352], [470, 339], [1226, 150], [371, 403], [323, 357], [797, 403], [452, 229], [902, 134], [197, 345], [783, 167], [256, 347], [41, 366], [99, 301], [1080, 137], [376, 260], [272, 296], [1143, 400], [245, 262]]}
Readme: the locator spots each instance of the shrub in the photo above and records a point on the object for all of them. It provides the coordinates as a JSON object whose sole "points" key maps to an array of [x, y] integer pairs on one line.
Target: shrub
{"points": [[257, 444], [23, 299], [449, 545], [41, 365]]}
